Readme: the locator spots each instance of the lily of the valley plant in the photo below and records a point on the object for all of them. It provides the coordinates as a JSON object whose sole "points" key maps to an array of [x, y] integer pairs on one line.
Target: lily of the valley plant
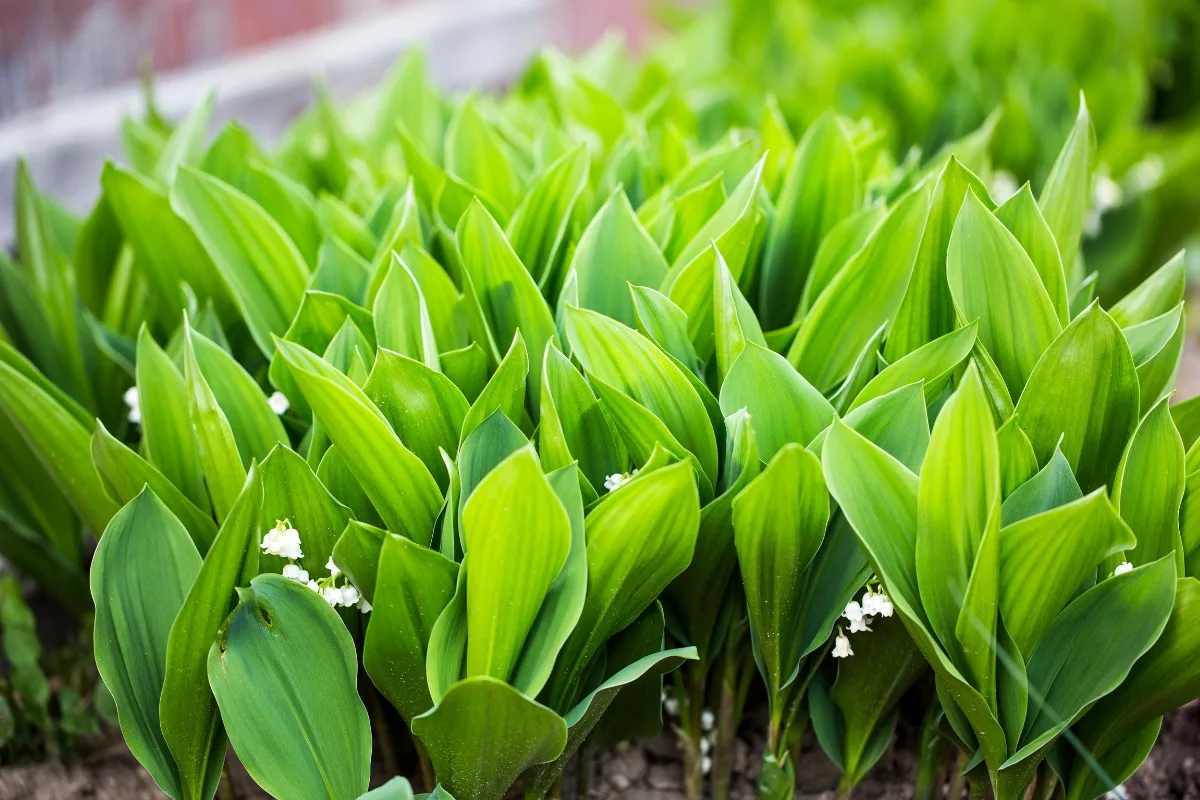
{"points": [[516, 404]]}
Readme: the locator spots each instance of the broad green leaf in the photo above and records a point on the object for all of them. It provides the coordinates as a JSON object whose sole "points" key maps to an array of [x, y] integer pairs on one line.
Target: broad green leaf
{"points": [[639, 538], [865, 368], [168, 441], [414, 585], [291, 491], [933, 364], [467, 369], [1114, 623], [395, 789], [256, 428], [821, 187], [405, 494], [490, 443], [504, 391], [897, 423], [262, 267], [423, 407], [141, 574], [564, 598], [635, 367], [739, 210], [1162, 680], [57, 438], [1021, 215], [1149, 488], [125, 474], [410, 97], [1157, 347], [573, 425], [666, 324], [837, 248], [615, 250], [864, 295], [284, 671], [963, 463], [736, 325], [340, 271], [1187, 419], [1045, 558], [1156, 295], [190, 721], [1067, 193], [689, 212], [287, 202], [539, 227], [928, 312], [402, 321], [1084, 389], [484, 734], [185, 145], [507, 294], [783, 406], [338, 219], [224, 472], [357, 554], [1053, 486], [518, 535], [992, 280], [1018, 462], [779, 523], [474, 154]]}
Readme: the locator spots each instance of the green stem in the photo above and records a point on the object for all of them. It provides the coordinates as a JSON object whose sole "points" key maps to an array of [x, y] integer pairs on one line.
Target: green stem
{"points": [[583, 780], [931, 756], [801, 690], [383, 733], [427, 775], [845, 789], [978, 788], [958, 781], [225, 788], [729, 715], [1045, 784], [691, 707]]}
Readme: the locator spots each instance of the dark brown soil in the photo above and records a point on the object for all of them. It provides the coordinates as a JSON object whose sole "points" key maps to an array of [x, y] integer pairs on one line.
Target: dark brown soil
{"points": [[648, 770]]}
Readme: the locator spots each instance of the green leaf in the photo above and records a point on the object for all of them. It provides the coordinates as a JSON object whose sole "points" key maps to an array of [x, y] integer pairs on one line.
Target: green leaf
{"points": [[1157, 347], [484, 734], [474, 154], [928, 312], [1187, 419], [821, 187], [142, 572], [639, 538], [1045, 558], [963, 463], [357, 554], [632, 365], [865, 294], [287, 202], [539, 227], [292, 492], [779, 523], [424, 408], [573, 424], [410, 97], [507, 294], [933, 364], [1066, 195], [1018, 462], [467, 369], [1114, 623], [402, 321], [837, 248], [223, 467], [414, 585], [395, 789], [666, 324], [504, 391], [564, 598], [736, 325], [1149, 488], [57, 438], [284, 671], [783, 406], [992, 280], [405, 494], [340, 270], [188, 715], [125, 474], [1156, 295], [1085, 390], [1053, 486], [263, 269], [256, 428], [1021, 215], [517, 548], [168, 441]]}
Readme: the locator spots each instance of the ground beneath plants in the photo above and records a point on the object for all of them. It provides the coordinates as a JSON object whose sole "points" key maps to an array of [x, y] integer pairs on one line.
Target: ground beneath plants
{"points": [[650, 770]]}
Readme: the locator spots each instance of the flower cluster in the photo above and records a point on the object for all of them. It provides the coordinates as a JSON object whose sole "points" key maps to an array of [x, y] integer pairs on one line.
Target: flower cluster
{"points": [[283, 540], [860, 614], [135, 406]]}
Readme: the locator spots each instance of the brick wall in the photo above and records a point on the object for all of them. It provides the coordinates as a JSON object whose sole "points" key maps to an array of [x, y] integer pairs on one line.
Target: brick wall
{"points": [[53, 50]]}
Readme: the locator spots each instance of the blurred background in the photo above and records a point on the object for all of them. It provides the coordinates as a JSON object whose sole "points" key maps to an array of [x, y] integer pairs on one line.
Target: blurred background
{"points": [[70, 69]]}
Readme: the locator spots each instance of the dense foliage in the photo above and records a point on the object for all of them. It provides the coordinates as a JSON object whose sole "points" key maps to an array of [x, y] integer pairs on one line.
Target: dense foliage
{"points": [[521, 403]]}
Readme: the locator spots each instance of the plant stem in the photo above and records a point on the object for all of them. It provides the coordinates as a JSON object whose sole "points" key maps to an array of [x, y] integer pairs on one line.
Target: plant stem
{"points": [[555, 792], [584, 779], [958, 781], [931, 756], [979, 788], [845, 789], [383, 733], [1046, 783], [728, 717], [426, 765], [225, 788], [691, 709]]}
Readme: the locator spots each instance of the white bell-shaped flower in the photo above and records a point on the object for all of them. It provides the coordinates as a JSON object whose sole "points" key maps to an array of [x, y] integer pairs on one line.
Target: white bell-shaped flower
{"points": [[841, 646], [1122, 568], [279, 403], [332, 567]]}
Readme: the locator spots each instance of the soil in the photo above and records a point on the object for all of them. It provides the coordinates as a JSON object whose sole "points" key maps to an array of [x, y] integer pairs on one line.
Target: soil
{"points": [[650, 770]]}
